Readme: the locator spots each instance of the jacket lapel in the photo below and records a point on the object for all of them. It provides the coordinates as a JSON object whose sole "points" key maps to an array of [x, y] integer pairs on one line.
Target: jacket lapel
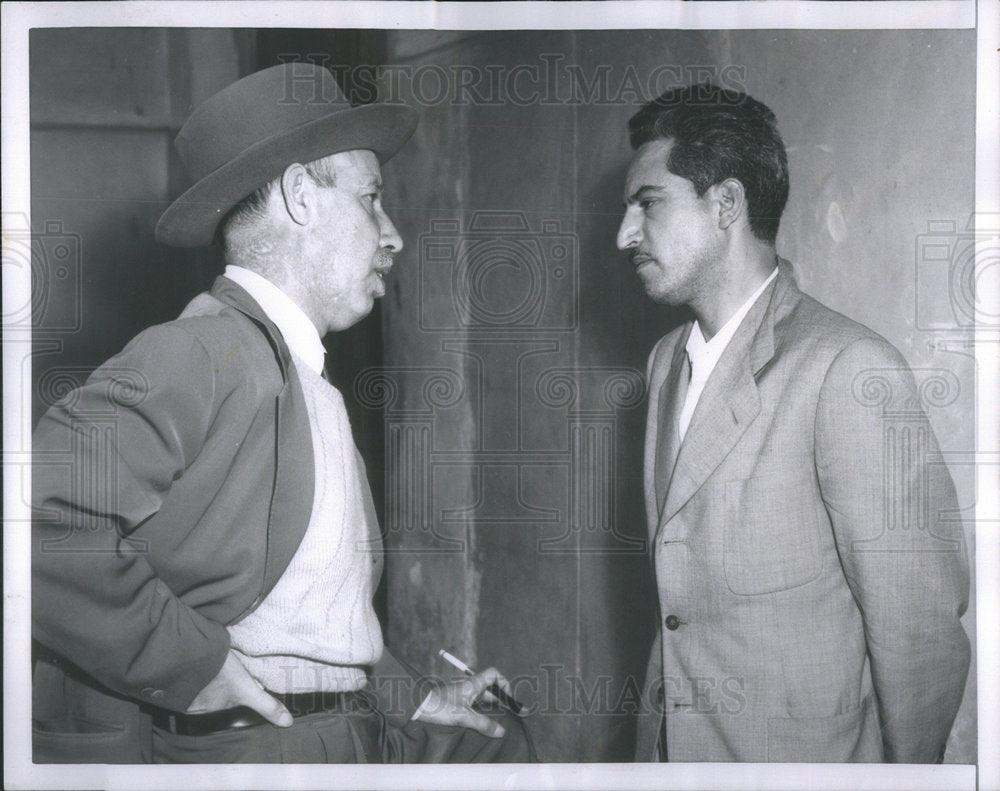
{"points": [[670, 405], [729, 403], [225, 290], [292, 496]]}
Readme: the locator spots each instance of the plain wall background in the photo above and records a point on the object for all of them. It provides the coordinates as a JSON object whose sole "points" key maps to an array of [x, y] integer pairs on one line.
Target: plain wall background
{"points": [[507, 461]]}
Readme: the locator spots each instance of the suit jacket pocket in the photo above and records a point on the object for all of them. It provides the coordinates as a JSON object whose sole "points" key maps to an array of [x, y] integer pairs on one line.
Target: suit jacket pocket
{"points": [[852, 736], [772, 534], [77, 740]]}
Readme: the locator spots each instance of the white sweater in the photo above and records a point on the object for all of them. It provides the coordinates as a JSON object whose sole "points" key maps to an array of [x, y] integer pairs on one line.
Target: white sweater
{"points": [[317, 629]]}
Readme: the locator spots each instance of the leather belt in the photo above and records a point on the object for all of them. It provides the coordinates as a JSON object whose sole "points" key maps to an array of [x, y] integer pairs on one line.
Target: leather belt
{"points": [[298, 704]]}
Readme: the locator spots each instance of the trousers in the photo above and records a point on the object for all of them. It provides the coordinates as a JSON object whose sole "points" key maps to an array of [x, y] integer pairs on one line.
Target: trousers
{"points": [[363, 735]]}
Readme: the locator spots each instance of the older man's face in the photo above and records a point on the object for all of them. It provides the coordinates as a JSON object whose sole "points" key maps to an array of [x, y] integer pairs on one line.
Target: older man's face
{"points": [[351, 245]]}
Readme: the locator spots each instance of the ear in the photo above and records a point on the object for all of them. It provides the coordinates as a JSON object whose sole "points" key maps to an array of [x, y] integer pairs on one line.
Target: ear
{"points": [[731, 200], [297, 192]]}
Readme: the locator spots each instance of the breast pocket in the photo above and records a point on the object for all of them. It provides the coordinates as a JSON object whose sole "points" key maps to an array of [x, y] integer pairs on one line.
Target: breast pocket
{"points": [[772, 536]]}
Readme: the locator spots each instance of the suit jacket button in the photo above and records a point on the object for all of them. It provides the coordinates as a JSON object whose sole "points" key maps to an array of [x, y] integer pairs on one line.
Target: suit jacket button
{"points": [[672, 622]]}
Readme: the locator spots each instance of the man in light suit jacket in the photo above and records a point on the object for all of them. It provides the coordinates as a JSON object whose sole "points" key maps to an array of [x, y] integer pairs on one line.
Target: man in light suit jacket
{"points": [[809, 562]]}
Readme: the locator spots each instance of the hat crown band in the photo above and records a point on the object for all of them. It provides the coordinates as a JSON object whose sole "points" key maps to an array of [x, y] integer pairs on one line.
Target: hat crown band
{"points": [[253, 110]]}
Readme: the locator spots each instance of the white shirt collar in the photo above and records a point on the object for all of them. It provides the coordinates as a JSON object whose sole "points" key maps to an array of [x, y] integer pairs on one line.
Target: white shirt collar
{"points": [[294, 325], [704, 355], [701, 351]]}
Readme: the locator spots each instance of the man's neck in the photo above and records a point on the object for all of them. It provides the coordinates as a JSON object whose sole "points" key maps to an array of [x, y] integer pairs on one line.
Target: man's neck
{"points": [[292, 322], [737, 285], [277, 268]]}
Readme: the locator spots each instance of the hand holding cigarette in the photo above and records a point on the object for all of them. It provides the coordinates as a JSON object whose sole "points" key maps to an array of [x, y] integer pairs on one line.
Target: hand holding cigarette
{"points": [[451, 704], [494, 688]]}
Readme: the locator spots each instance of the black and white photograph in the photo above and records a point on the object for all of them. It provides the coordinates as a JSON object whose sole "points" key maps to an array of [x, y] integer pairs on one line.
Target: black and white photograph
{"points": [[548, 394]]}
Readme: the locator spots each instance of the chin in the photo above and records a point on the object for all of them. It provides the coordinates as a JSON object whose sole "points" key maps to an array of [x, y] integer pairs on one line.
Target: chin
{"points": [[346, 322], [661, 297]]}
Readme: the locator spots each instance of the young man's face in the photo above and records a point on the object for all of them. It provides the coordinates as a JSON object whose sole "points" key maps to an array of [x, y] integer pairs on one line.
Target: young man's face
{"points": [[351, 248], [672, 236]]}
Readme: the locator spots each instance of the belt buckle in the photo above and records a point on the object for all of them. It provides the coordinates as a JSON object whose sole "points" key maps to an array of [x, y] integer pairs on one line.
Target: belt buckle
{"points": [[247, 720]]}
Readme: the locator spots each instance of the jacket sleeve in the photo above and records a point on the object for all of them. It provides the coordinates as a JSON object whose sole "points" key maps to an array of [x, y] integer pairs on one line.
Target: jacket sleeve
{"points": [[894, 513], [104, 459]]}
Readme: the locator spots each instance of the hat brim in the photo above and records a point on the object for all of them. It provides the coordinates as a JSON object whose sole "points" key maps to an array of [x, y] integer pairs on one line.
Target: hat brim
{"points": [[191, 220]]}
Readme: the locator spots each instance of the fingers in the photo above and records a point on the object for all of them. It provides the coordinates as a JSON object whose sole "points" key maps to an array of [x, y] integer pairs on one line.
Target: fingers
{"points": [[251, 694], [484, 679], [269, 708], [483, 724], [450, 704], [504, 684], [233, 686]]}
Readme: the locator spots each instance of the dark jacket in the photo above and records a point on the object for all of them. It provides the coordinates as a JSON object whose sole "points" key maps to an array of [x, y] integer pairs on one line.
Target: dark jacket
{"points": [[171, 491]]}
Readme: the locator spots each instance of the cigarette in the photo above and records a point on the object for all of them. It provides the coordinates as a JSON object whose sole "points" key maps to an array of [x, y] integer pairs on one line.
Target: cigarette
{"points": [[493, 688]]}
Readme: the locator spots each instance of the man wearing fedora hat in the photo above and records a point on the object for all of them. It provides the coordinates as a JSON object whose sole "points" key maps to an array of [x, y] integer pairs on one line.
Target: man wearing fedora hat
{"points": [[206, 549]]}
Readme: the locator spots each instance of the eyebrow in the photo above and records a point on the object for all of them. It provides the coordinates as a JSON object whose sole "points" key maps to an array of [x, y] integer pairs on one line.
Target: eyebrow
{"points": [[635, 196]]}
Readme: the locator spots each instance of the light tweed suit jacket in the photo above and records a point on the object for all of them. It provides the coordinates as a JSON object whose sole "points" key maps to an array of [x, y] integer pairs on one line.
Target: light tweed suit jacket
{"points": [[809, 558]]}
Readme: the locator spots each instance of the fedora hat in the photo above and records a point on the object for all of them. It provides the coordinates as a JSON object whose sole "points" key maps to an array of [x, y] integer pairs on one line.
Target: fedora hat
{"points": [[248, 133]]}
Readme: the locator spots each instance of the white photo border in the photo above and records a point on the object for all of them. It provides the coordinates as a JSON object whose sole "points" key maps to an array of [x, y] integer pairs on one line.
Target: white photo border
{"points": [[19, 17]]}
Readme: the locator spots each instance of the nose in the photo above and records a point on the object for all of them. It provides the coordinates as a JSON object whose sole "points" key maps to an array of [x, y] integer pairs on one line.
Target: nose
{"points": [[629, 232], [390, 238]]}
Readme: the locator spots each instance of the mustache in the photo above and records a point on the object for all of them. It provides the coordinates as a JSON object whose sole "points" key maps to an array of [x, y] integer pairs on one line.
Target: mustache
{"points": [[383, 259], [637, 257]]}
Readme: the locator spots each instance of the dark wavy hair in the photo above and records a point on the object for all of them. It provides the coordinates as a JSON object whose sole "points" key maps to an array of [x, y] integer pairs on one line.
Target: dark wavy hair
{"points": [[720, 134]]}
